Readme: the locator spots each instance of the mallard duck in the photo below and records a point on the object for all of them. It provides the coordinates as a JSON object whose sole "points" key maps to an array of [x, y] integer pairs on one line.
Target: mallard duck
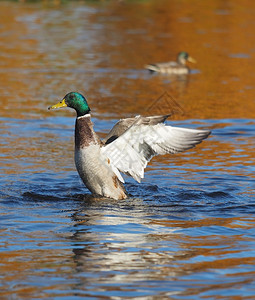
{"points": [[127, 148], [177, 67]]}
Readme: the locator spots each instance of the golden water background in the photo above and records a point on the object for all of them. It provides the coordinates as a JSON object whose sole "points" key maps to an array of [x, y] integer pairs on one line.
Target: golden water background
{"points": [[196, 240]]}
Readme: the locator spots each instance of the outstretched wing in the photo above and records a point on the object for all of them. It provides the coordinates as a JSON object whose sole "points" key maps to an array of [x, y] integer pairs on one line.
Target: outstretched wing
{"points": [[122, 125], [130, 152]]}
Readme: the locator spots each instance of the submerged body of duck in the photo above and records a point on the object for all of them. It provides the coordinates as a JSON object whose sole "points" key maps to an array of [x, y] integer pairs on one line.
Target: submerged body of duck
{"points": [[127, 148], [177, 67]]}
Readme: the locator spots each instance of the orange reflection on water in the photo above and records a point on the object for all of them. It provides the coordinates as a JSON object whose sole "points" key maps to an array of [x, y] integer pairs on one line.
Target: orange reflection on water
{"points": [[100, 49], [223, 88]]}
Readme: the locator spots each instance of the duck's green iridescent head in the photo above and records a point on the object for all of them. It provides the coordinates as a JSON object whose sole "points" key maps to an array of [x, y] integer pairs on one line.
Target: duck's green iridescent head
{"points": [[183, 56], [76, 101]]}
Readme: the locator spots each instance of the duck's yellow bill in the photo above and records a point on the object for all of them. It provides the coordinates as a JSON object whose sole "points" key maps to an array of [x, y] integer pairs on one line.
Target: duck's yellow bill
{"points": [[58, 105], [192, 60]]}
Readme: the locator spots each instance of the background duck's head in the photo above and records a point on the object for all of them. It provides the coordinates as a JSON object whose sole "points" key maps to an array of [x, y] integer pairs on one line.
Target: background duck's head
{"points": [[76, 101], [183, 56]]}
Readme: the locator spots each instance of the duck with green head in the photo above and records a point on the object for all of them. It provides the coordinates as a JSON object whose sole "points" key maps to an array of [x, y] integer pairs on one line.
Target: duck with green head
{"points": [[177, 67], [127, 148]]}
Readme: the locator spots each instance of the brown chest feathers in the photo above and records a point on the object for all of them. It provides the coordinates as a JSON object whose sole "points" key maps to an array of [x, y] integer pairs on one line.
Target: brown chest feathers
{"points": [[84, 133]]}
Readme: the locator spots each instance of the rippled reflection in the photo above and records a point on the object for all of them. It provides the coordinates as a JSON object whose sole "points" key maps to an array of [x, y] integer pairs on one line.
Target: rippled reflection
{"points": [[187, 231]]}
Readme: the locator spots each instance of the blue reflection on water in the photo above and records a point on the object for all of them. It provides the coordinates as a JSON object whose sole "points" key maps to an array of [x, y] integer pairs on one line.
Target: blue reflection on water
{"points": [[125, 245]]}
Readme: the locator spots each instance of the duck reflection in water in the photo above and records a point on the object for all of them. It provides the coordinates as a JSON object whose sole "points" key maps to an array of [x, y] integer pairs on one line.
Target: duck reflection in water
{"points": [[113, 254]]}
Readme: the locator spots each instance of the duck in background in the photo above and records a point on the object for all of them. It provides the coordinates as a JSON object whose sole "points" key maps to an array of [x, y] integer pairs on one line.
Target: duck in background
{"points": [[177, 67], [127, 148]]}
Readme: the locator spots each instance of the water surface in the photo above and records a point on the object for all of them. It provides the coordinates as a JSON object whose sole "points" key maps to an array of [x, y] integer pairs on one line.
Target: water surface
{"points": [[187, 231]]}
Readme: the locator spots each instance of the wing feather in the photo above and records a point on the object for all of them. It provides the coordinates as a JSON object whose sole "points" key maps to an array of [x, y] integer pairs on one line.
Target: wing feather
{"points": [[131, 151]]}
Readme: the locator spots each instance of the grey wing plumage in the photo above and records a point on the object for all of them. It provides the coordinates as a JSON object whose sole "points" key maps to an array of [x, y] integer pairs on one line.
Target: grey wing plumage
{"points": [[159, 67], [118, 129], [132, 150], [175, 139], [124, 124]]}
